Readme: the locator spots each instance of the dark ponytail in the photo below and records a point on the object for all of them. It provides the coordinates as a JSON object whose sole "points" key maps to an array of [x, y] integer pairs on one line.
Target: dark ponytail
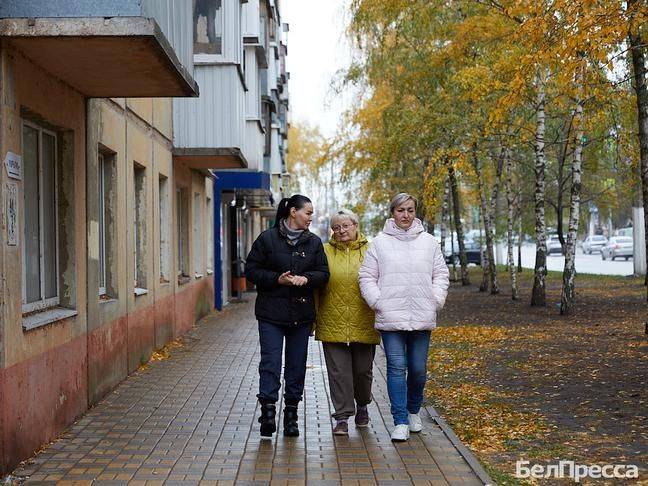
{"points": [[296, 201]]}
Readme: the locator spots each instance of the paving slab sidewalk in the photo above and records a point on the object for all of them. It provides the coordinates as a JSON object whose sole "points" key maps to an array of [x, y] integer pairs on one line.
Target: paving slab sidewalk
{"points": [[191, 419]]}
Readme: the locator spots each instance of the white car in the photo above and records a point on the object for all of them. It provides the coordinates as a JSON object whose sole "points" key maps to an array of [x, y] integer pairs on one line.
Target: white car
{"points": [[594, 243], [618, 246], [553, 245]]}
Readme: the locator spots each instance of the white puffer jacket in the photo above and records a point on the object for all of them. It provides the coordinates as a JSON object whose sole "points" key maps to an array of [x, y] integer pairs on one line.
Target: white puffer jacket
{"points": [[404, 278]]}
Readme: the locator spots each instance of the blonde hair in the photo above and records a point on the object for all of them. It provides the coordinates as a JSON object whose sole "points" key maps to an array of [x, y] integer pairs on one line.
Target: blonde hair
{"points": [[401, 198], [344, 214]]}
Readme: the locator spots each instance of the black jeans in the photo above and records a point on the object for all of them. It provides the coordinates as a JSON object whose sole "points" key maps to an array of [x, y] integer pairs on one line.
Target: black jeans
{"points": [[271, 338]]}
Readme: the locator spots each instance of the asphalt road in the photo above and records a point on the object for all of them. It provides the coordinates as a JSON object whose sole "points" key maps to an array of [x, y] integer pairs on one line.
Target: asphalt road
{"points": [[584, 263]]}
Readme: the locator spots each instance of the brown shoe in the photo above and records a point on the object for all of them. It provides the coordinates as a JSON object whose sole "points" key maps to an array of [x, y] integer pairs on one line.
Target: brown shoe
{"points": [[362, 417], [341, 428]]}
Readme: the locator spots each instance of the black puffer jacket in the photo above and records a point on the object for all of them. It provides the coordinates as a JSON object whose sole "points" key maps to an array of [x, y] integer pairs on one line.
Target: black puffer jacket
{"points": [[271, 255]]}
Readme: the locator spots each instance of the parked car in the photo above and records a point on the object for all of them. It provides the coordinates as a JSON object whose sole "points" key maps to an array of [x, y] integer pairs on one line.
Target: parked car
{"points": [[473, 250], [624, 232], [618, 246], [553, 245], [594, 243]]}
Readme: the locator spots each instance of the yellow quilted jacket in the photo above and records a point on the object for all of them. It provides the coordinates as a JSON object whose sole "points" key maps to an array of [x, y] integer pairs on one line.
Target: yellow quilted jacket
{"points": [[342, 314]]}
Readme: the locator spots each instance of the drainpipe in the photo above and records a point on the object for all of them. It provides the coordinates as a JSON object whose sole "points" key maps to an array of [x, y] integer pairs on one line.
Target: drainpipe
{"points": [[218, 261]]}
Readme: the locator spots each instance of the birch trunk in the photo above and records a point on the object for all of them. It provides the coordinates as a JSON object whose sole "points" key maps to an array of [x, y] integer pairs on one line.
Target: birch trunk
{"points": [[519, 215], [641, 91], [569, 273], [538, 295], [452, 248], [483, 287], [456, 209], [490, 269], [510, 200], [488, 228], [562, 161], [445, 217]]}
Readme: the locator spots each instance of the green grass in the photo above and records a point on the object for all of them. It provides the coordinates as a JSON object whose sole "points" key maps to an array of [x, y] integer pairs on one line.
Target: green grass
{"points": [[502, 478]]}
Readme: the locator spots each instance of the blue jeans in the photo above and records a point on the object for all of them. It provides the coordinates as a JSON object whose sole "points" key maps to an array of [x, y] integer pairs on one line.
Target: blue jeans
{"points": [[271, 338], [406, 353]]}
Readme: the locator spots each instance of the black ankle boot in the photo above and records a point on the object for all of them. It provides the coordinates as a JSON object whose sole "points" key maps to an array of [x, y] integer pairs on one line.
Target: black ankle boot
{"points": [[291, 429], [267, 419]]}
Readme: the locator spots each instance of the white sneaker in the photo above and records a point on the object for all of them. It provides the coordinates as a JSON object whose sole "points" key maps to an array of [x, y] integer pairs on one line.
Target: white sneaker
{"points": [[415, 423], [400, 433]]}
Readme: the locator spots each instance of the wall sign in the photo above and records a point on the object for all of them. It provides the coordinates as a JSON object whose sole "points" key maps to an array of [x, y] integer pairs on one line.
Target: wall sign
{"points": [[11, 212], [13, 163]]}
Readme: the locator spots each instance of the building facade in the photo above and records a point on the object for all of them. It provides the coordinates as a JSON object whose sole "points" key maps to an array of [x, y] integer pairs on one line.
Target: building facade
{"points": [[117, 233], [241, 119]]}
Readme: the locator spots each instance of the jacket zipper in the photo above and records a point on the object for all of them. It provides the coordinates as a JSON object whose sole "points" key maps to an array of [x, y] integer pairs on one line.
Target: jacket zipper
{"points": [[347, 275]]}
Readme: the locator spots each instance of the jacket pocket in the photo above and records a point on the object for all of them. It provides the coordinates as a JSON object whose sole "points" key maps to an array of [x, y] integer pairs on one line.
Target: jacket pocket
{"points": [[378, 303]]}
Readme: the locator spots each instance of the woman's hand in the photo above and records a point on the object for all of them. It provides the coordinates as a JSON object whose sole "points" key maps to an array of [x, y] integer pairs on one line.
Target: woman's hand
{"points": [[299, 281], [285, 278]]}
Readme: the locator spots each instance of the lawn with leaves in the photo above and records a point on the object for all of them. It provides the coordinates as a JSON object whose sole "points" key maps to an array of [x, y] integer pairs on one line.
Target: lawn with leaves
{"points": [[522, 383]]}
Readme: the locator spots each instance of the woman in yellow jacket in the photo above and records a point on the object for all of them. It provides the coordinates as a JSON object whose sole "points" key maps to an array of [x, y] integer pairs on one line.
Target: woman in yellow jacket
{"points": [[345, 325]]}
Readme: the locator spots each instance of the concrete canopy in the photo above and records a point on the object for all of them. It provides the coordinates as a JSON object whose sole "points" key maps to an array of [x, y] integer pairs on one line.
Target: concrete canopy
{"points": [[211, 158], [103, 57]]}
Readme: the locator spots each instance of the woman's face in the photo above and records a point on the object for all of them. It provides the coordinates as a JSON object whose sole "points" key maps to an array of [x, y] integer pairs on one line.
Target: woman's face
{"points": [[404, 214], [300, 219], [345, 230]]}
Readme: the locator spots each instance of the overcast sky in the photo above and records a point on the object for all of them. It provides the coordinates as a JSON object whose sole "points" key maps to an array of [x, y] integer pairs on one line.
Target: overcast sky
{"points": [[317, 49]]}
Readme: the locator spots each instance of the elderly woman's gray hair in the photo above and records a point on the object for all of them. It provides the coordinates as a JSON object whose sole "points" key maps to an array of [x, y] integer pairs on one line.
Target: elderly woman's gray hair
{"points": [[401, 198], [344, 214]]}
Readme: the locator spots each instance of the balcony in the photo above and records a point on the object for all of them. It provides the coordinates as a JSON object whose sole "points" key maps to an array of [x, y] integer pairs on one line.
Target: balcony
{"points": [[260, 44], [122, 48], [209, 131]]}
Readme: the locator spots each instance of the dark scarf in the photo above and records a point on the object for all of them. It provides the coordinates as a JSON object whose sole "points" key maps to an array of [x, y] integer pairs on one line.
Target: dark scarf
{"points": [[291, 235]]}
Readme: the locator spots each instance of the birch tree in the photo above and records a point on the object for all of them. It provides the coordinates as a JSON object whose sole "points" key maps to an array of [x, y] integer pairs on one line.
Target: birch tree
{"points": [[488, 225], [569, 272], [538, 294], [510, 215], [638, 57], [456, 208]]}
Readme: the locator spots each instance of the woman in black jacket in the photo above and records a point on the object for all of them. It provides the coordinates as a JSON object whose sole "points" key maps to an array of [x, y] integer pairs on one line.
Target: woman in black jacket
{"points": [[286, 263]]}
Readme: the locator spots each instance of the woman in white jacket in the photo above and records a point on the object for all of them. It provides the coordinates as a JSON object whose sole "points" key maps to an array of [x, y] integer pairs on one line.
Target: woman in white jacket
{"points": [[404, 278]]}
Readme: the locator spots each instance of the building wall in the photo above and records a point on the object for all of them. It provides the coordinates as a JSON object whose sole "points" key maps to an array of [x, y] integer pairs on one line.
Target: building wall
{"points": [[126, 327], [43, 373], [49, 375]]}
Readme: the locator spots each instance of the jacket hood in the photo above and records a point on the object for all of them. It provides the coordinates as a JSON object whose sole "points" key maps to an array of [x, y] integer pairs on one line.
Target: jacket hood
{"points": [[392, 229], [359, 242]]}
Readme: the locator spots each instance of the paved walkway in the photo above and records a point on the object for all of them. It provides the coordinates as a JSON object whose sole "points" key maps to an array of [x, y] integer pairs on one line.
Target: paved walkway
{"points": [[192, 418]]}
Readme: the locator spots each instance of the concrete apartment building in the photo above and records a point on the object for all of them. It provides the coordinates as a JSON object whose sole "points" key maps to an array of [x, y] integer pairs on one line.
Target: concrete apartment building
{"points": [[113, 118], [238, 126]]}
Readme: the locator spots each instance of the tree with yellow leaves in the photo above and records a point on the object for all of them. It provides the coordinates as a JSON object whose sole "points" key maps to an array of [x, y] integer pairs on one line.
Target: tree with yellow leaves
{"points": [[483, 79]]}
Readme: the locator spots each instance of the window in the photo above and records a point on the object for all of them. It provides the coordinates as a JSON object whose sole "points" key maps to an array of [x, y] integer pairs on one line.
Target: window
{"points": [[40, 249], [106, 218], [197, 239], [210, 237], [165, 230], [208, 26], [139, 228], [182, 228]]}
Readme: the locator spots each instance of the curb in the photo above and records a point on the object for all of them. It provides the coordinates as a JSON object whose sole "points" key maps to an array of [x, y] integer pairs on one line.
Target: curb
{"points": [[461, 448]]}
